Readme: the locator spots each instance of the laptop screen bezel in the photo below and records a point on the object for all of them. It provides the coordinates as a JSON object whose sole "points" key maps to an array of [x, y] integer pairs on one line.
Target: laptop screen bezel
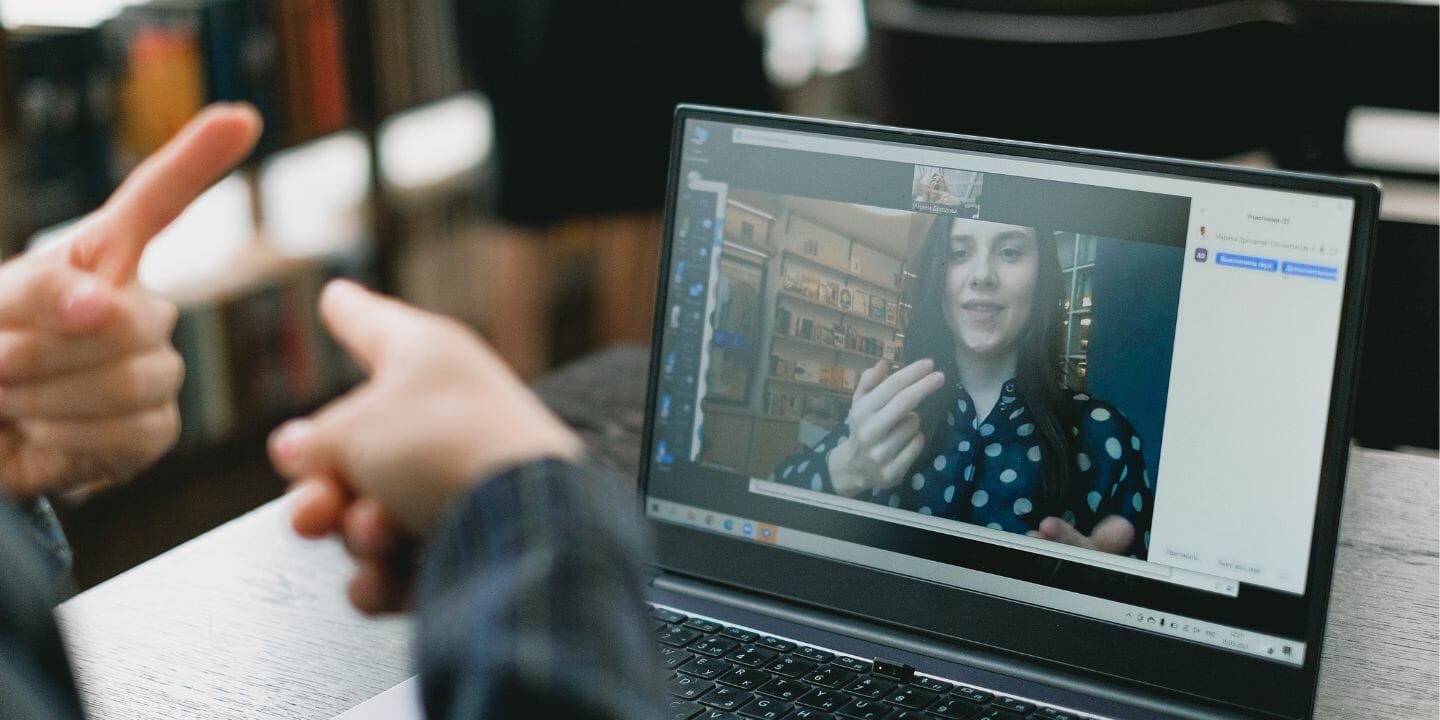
{"points": [[1037, 634]]}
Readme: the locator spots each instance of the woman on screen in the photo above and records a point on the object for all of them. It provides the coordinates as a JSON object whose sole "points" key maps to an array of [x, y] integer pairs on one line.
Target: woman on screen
{"points": [[976, 425]]}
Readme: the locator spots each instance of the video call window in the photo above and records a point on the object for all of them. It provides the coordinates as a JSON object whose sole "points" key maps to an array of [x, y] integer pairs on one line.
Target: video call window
{"points": [[945, 190], [935, 362]]}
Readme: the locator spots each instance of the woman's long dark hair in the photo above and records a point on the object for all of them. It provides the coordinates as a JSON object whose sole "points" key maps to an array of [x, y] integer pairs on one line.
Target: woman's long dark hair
{"points": [[1038, 365]]}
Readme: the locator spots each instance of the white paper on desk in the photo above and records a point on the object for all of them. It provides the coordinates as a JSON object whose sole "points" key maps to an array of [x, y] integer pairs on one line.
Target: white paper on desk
{"points": [[401, 702]]}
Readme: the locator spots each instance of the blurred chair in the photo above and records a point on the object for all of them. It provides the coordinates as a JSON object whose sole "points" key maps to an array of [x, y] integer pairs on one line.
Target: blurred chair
{"points": [[1190, 78]]}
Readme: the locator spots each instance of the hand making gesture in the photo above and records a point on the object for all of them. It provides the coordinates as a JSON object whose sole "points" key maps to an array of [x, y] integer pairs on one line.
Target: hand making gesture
{"points": [[88, 378], [885, 437], [439, 412]]}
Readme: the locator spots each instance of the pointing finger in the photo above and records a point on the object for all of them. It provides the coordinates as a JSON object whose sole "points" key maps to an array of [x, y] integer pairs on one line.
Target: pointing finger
{"points": [[207, 148], [365, 323]]}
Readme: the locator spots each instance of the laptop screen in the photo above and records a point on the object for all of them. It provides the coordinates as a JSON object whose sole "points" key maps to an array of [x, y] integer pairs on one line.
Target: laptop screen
{"points": [[1099, 391]]}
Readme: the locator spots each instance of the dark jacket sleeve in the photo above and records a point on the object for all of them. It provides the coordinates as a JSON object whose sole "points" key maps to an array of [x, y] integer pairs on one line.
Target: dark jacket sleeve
{"points": [[35, 678], [531, 602], [52, 540]]}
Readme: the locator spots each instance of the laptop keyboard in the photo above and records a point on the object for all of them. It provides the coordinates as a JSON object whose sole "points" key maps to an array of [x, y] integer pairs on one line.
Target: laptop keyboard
{"points": [[716, 671]]}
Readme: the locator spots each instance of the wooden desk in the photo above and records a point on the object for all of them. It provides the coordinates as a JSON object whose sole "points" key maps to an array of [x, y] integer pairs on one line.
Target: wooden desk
{"points": [[250, 621]]}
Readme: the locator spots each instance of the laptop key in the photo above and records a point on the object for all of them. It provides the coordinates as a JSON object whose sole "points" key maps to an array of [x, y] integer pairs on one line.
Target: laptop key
{"points": [[726, 698], [678, 709], [746, 678], [775, 643], [829, 676], [968, 693], [1013, 705], [869, 687], [816, 654], [672, 657], [1050, 713], [704, 626], [853, 664], [805, 713], [789, 666], [751, 655], [669, 616], [766, 709], [744, 636], [952, 708], [822, 699], [931, 684], [713, 714], [994, 713], [865, 710], [713, 646], [705, 668], [782, 689], [908, 697], [684, 686], [678, 636]]}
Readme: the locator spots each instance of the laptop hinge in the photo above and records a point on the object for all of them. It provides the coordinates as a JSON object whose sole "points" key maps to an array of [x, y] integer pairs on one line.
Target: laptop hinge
{"points": [[912, 642]]}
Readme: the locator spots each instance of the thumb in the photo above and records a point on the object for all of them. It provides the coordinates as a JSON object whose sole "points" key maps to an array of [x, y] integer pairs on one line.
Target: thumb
{"points": [[1053, 528], [365, 323], [1112, 535], [54, 296], [315, 446]]}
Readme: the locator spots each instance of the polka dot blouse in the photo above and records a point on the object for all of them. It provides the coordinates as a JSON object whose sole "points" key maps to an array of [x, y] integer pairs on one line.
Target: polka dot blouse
{"points": [[987, 471]]}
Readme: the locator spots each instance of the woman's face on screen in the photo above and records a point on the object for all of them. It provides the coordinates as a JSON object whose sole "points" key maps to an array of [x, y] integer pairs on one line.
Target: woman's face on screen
{"points": [[990, 277]]}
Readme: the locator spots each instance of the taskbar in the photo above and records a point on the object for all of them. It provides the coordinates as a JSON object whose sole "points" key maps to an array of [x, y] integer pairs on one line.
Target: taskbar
{"points": [[1281, 650]]}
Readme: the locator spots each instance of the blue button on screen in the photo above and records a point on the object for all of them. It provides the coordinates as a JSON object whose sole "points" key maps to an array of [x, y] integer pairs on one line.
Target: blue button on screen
{"points": [[1245, 261], [1322, 272]]}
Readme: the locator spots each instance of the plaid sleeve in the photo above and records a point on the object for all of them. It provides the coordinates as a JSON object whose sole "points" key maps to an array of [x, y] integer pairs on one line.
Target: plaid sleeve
{"points": [[531, 602]]}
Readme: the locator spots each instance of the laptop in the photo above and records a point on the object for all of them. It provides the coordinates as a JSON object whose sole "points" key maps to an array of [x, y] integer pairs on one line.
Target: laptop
{"points": [[952, 427]]}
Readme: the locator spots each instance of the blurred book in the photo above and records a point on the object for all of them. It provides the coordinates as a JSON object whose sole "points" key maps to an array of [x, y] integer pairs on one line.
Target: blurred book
{"points": [[242, 59], [311, 37], [55, 117], [414, 54], [207, 413], [178, 55], [163, 78]]}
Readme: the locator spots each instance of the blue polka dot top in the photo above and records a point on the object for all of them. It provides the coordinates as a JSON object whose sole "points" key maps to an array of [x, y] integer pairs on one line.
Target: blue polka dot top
{"points": [[987, 471]]}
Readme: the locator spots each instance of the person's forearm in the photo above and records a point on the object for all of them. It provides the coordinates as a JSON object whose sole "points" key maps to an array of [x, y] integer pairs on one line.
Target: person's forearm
{"points": [[531, 602]]}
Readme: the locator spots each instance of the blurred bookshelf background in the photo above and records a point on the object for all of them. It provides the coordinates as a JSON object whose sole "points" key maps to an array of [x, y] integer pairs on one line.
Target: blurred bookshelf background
{"points": [[375, 164]]}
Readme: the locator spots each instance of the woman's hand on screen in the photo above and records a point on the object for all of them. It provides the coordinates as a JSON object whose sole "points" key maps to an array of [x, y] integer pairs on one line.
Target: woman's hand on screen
{"points": [[885, 438], [1112, 535]]}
